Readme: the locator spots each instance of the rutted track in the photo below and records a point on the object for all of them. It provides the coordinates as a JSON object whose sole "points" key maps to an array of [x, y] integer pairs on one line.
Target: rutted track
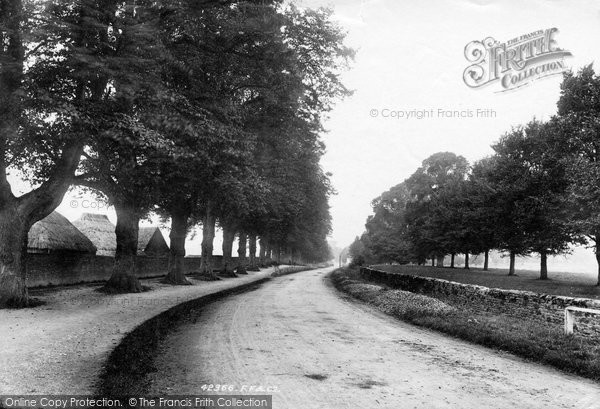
{"points": [[321, 351]]}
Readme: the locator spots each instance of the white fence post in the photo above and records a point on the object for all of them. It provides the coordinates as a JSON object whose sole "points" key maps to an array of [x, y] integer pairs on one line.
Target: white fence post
{"points": [[568, 321], [570, 317]]}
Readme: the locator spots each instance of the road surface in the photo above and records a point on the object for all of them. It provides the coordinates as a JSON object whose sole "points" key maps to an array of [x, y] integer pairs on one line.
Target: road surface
{"points": [[320, 350]]}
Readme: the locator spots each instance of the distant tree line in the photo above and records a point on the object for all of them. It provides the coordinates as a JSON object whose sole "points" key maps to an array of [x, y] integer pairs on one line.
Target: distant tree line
{"points": [[538, 193], [204, 112]]}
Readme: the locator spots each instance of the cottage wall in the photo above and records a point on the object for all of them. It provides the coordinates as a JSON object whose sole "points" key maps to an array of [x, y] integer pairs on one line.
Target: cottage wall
{"points": [[63, 268]]}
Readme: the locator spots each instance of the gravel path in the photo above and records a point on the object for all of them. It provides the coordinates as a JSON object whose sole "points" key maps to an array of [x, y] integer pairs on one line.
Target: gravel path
{"points": [[295, 334], [60, 347]]}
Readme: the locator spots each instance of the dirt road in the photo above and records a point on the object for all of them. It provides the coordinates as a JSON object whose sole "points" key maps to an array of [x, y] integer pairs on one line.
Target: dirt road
{"points": [[321, 351], [61, 346]]}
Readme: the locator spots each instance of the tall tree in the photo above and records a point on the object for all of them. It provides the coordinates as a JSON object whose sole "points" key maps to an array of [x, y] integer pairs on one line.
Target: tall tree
{"points": [[118, 161], [531, 192], [53, 84], [207, 74], [429, 187], [484, 215], [386, 228], [578, 126]]}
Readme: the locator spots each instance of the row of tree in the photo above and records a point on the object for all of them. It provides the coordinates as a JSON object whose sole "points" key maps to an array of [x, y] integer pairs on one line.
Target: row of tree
{"points": [[204, 112], [538, 193]]}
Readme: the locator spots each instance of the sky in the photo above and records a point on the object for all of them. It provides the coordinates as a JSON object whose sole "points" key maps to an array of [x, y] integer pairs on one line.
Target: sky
{"points": [[411, 57]]}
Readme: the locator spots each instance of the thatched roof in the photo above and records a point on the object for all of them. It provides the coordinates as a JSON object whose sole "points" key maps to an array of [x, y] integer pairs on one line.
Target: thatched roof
{"points": [[100, 231], [151, 241], [56, 233]]}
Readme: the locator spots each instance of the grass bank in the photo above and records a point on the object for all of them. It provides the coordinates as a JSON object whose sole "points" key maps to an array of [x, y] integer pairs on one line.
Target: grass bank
{"points": [[533, 339]]}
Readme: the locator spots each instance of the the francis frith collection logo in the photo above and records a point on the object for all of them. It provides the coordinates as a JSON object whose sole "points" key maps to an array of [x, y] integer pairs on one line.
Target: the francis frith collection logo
{"points": [[514, 63]]}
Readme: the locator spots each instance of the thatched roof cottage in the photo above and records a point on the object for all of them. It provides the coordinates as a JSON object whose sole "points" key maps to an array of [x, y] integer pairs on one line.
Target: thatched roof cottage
{"points": [[101, 232], [56, 234], [152, 243]]}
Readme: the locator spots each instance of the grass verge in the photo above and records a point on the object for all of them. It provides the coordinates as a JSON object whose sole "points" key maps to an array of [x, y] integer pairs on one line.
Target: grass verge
{"points": [[532, 339]]}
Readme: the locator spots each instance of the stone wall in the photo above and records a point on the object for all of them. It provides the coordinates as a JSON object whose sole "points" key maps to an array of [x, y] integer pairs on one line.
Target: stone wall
{"points": [[520, 304], [69, 268]]}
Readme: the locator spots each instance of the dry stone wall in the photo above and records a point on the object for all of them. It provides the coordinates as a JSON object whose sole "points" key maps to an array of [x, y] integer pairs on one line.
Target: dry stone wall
{"points": [[520, 304]]}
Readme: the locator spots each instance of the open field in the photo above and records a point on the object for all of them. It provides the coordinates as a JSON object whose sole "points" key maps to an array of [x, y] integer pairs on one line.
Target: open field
{"points": [[560, 283], [531, 338]]}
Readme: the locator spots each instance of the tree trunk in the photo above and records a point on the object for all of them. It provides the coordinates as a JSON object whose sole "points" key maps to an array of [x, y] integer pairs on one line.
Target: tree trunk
{"points": [[242, 240], [262, 258], [486, 260], [543, 265], [268, 253], [287, 256], [597, 248], [13, 227], [511, 268], [208, 237], [13, 253], [123, 278], [452, 260], [17, 215], [253, 266], [179, 226], [228, 239], [467, 261], [440, 261], [432, 261]]}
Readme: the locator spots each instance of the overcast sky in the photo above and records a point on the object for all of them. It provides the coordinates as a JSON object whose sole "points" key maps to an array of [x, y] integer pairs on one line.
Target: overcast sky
{"points": [[411, 56]]}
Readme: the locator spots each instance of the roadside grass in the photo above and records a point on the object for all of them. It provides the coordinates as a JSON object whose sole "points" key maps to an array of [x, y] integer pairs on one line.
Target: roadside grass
{"points": [[533, 339], [560, 283]]}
